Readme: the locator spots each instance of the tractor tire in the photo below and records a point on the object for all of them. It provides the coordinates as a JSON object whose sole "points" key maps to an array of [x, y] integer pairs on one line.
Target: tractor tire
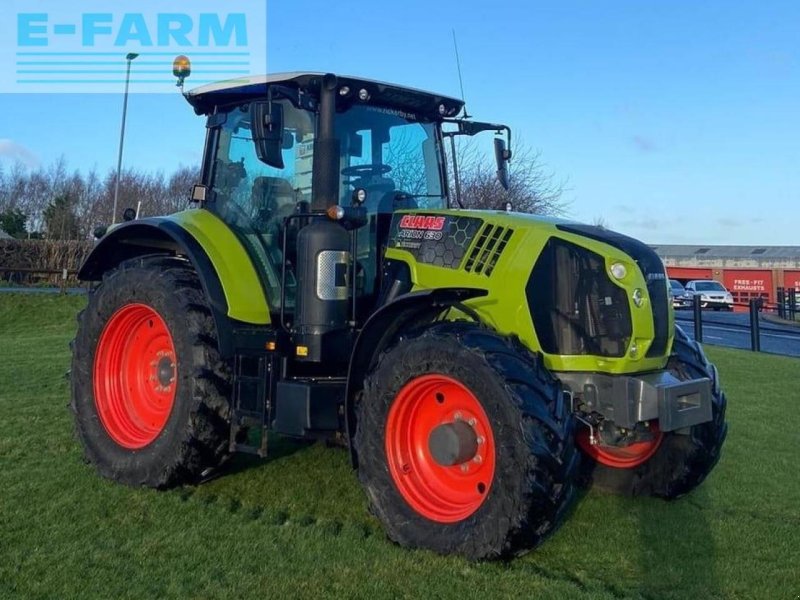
{"points": [[679, 462], [149, 390], [498, 502]]}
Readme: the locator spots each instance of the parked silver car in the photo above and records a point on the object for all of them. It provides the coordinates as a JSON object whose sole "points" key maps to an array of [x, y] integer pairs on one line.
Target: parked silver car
{"points": [[712, 294]]}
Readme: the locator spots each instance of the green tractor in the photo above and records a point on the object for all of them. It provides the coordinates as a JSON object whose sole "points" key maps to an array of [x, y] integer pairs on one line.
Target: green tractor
{"points": [[326, 285]]}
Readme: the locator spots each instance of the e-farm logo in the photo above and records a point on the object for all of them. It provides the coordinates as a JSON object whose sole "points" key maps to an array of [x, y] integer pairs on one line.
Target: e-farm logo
{"points": [[85, 47], [34, 31]]}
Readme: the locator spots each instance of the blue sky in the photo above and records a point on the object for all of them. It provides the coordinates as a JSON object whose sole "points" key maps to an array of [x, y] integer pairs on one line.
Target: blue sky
{"points": [[676, 122]]}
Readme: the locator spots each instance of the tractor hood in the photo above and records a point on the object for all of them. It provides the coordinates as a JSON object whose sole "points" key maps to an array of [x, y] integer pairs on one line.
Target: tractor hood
{"points": [[591, 299]]}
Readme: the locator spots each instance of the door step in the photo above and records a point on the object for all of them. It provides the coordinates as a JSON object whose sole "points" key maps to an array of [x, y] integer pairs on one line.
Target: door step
{"points": [[251, 407]]}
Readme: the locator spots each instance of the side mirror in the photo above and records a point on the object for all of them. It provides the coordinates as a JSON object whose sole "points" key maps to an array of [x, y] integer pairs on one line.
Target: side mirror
{"points": [[266, 120], [502, 156]]}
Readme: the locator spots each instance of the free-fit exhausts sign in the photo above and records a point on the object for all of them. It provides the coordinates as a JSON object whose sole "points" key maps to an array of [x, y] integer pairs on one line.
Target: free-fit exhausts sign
{"points": [[53, 46]]}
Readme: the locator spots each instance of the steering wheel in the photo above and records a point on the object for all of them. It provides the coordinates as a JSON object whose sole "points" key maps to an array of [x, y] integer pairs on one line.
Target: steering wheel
{"points": [[366, 170]]}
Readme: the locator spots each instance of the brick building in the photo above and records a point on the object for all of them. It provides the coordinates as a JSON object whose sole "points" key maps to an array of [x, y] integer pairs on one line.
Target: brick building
{"points": [[747, 271]]}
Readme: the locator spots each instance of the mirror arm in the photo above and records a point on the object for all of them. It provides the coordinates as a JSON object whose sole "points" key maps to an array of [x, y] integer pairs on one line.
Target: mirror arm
{"points": [[471, 128], [456, 178]]}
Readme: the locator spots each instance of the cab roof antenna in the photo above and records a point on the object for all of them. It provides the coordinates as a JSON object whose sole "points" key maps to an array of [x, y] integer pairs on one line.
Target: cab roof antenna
{"points": [[466, 115]]}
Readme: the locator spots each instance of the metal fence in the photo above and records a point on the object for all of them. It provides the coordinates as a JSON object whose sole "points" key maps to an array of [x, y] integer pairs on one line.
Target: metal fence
{"points": [[787, 303], [762, 327]]}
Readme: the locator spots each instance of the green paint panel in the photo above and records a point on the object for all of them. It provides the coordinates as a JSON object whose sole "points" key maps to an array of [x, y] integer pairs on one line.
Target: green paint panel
{"points": [[243, 291], [505, 308]]}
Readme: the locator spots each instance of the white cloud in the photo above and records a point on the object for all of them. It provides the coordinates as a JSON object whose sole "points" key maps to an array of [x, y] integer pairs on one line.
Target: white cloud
{"points": [[14, 152]]}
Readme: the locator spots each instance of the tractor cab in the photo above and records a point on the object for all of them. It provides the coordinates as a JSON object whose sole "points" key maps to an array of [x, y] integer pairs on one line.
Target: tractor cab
{"points": [[287, 145]]}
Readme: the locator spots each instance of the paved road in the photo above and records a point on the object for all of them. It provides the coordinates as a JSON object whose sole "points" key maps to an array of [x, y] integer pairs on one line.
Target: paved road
{"points": [[733, 330]]}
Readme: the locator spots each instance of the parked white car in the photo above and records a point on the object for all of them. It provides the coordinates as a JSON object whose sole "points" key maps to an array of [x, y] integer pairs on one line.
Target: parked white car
{"points": [[712, 294]]}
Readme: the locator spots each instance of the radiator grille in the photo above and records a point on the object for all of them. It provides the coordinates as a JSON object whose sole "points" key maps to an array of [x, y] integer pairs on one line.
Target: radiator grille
{"points": [[654, 273], [488, 248], [576, 308]]}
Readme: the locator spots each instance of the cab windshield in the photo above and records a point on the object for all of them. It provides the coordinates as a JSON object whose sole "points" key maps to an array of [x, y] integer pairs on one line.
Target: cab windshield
{"points": [[392, 155]]}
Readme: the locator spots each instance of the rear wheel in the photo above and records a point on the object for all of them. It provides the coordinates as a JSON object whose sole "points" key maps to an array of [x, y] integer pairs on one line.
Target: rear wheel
{"points": [[670, 464], [465, 443], [149, 390]]}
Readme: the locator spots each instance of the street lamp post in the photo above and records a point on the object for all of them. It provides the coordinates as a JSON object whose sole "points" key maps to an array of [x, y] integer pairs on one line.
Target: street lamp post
{"points": [[130, 57]]}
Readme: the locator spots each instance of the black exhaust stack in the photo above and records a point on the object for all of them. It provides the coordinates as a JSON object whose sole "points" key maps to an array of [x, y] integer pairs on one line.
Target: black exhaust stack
{"points": [[321, 331], [325, 180]]}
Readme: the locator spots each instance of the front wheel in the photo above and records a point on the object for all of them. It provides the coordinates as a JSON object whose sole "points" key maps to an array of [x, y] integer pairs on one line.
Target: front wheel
{"points": [[667, 465], [465, 443], [149, 390]]}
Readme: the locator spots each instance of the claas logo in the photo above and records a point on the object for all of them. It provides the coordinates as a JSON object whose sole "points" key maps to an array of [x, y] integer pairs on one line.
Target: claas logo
{"points": [[422, 222]]}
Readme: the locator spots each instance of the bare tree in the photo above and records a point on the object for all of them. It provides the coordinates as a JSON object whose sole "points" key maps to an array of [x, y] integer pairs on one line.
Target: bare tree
{"points": [[89, 193], [179, 188], [533, 188], [34, 193]]}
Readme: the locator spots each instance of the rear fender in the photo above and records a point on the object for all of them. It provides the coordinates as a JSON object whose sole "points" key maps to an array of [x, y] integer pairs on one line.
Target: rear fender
{"points": [[235, 297]]}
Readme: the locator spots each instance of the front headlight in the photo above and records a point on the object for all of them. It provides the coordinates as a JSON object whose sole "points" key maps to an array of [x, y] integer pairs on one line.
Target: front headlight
{"points": [[618, 270]]}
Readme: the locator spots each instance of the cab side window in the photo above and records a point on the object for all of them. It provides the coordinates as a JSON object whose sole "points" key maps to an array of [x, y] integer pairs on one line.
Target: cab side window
{"points": [[255, 198]]}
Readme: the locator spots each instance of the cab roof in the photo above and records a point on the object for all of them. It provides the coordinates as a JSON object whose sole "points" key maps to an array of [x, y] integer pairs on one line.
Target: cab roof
{"points": [[206, 97]]}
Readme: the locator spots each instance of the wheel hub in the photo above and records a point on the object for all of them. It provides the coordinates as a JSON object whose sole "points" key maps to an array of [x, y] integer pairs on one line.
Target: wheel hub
{"points": [[165, 371], [453, 443]]}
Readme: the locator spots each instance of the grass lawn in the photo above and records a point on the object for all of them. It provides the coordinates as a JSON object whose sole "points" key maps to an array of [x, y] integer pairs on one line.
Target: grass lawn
{"points": [[296, 525]]}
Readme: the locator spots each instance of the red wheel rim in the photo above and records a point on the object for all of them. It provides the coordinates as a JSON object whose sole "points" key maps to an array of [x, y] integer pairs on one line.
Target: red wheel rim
{"points": [[445, 494], [134, 376], [621, 457]]}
